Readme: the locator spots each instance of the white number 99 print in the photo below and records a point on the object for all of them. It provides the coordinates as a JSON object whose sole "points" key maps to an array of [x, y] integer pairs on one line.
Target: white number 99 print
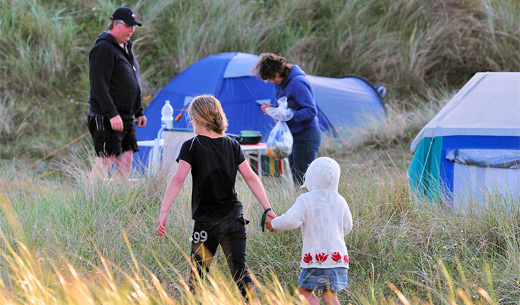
{"points": [[199, 237]]}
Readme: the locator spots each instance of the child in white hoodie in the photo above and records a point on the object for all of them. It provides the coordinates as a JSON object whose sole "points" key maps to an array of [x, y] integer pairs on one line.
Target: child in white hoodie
{"points": [[325, 219]]}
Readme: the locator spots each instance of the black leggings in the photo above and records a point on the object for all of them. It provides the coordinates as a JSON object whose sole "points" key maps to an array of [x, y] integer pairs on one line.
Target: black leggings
{"points": [[231, 235]]}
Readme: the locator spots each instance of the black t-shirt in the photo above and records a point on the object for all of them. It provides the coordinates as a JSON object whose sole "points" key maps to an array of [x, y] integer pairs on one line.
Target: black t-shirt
{"points": [[214, 165]]}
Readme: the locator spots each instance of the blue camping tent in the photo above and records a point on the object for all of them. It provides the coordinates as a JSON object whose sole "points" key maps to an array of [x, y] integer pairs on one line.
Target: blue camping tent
{"points": [[342, 102]]}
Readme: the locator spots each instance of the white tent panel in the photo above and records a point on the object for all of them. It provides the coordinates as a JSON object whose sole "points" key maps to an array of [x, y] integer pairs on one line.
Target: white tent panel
{"points": [[472, 185], [241, 65], [488, 105]]}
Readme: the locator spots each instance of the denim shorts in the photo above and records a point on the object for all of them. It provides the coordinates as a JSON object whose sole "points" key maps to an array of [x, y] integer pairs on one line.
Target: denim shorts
{"points": [[334, 279]]}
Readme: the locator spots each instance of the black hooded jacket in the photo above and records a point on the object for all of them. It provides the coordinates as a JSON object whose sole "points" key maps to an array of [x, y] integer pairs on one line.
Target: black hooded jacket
{"points": [[115, 88]]}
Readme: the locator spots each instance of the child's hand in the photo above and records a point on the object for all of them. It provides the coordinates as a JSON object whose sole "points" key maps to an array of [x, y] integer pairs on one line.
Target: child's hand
{"points": [[268, 219], [161, 225]]}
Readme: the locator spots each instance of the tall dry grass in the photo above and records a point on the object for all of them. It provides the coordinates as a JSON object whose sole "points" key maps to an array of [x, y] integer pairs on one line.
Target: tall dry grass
{"points": [[400, 250]]}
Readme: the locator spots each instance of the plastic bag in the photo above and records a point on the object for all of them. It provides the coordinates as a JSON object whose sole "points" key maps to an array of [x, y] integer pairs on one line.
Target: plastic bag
{"points": [[281, 113], [279, 142]]}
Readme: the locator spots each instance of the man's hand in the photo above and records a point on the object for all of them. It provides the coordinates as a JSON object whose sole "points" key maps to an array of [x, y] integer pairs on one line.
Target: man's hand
{"points": [[141, 121], [116, 123]]}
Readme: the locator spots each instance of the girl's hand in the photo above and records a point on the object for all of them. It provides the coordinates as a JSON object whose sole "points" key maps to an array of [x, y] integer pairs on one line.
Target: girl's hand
{"points": [[271, 214], [161, 225]]}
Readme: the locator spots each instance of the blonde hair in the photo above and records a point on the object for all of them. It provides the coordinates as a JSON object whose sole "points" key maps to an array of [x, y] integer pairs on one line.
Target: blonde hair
{"points": [[207, 112]]}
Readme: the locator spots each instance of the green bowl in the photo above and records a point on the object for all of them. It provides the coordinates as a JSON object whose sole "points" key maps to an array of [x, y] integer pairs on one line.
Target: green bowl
{"points": [[250, 133]]}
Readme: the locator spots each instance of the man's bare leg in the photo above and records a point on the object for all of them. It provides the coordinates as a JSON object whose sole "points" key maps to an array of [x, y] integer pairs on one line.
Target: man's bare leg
{"points": [[101, 168], [123, 164]]}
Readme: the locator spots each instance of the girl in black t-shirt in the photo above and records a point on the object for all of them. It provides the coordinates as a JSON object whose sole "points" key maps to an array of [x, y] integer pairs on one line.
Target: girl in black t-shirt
{"points": [[214, 160]]}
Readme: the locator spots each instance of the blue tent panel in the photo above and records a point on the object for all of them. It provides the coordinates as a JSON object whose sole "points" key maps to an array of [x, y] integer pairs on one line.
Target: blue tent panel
{"points": [[238, 97], [347, 102]]}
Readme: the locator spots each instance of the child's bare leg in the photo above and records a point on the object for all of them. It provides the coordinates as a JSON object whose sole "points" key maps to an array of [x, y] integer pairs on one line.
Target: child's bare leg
{"points": [[330, 297], [309, 295]]}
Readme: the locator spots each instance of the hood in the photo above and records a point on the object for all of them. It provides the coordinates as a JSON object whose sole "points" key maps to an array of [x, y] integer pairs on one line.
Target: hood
{"points": [[108, 37], [295, 72], [323, 173]]}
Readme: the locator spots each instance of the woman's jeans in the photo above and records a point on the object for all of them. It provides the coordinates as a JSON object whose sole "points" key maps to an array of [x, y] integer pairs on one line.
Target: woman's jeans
{"points": [[304, 151]]}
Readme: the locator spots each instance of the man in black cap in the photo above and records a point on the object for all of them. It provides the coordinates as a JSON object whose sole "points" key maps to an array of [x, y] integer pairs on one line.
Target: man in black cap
{"points": [[115, 95]]}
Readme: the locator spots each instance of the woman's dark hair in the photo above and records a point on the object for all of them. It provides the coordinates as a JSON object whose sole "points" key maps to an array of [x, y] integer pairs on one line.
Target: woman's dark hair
{"points": [[270, 64]]}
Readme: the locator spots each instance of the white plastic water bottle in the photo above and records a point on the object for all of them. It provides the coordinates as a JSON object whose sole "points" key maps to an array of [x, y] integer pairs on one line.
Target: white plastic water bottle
{"points": [[167, 115]]}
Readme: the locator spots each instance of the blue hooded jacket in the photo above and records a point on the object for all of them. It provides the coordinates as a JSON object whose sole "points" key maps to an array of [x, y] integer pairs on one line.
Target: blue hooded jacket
{"points": [[300, 98]]}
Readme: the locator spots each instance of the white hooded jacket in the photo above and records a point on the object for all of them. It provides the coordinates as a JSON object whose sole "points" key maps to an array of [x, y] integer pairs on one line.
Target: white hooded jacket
{"points": [[323, 215]]}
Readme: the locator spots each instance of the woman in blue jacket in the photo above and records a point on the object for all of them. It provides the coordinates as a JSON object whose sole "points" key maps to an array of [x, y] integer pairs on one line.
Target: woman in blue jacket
{"points": [[290, 82]]}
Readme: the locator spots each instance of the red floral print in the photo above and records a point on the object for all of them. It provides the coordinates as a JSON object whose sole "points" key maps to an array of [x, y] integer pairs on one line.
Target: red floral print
{"points": [[336, 256], [346, 258], [321, 257], [307, 258]]}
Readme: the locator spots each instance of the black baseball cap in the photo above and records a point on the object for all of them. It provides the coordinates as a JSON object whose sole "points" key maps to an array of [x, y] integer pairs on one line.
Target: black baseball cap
{"points": [[127, 15]]}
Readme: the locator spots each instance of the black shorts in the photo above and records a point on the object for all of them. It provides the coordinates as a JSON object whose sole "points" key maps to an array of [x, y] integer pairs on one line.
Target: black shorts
{"points": [[108, 142], [231, 235]]}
